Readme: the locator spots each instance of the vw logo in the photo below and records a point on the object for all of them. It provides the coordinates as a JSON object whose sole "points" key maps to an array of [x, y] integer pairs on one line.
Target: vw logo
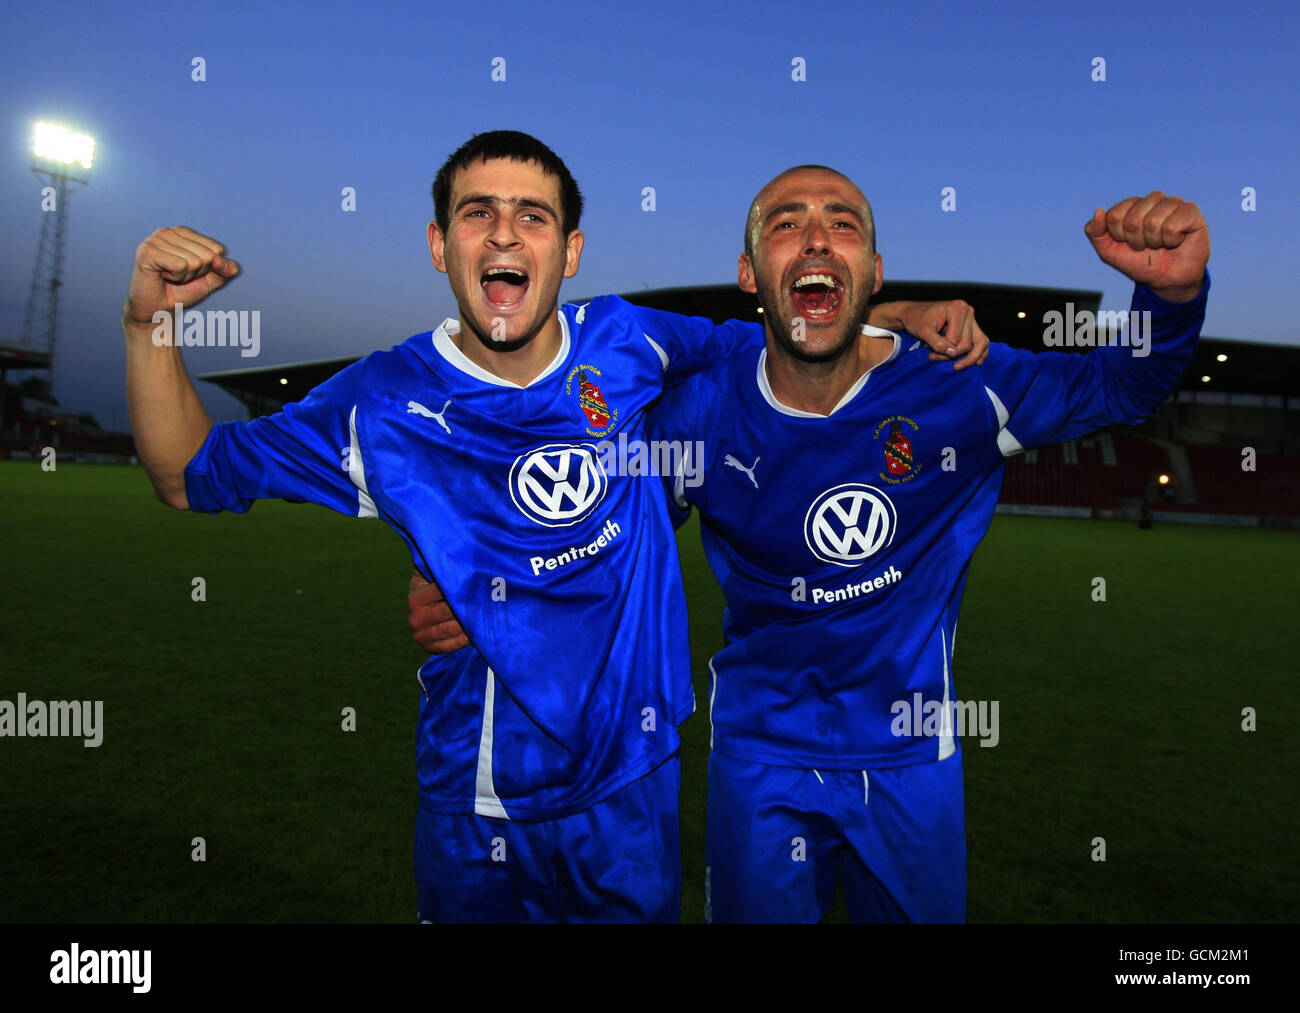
{"points": [[849, 523], [558, 484]]}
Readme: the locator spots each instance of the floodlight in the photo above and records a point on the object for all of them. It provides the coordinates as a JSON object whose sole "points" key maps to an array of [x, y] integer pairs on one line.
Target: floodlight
{"points": [[54, 143]]}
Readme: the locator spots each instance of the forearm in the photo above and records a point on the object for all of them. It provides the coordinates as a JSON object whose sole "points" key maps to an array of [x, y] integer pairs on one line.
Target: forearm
{"points": [[1141, 372], [168, 420], [888, 315]]}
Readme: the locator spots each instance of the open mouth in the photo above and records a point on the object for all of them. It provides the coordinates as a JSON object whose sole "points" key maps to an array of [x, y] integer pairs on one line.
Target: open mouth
{"points": [[504, 287], [816, 294]]}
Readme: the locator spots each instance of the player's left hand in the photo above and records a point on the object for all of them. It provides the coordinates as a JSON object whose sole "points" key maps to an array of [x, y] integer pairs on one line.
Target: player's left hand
{"points": [[1159, 241], [949, 328], [433, 625]]}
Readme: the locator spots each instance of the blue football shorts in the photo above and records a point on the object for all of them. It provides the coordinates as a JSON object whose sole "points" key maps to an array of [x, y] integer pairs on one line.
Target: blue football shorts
{"points": [[618, 861], [778, 838]]}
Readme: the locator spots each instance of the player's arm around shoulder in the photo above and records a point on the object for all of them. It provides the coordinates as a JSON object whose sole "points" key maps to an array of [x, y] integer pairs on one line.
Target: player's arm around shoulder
{"points": [[686, 345], [948, 327]]}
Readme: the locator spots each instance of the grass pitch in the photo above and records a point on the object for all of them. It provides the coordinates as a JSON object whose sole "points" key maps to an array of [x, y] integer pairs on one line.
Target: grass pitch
{"points": [[1119, 719]]}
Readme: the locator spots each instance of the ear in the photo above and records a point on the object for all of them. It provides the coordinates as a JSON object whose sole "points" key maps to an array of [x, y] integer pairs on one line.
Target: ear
{"points": [[745, 274], [436, 241], [880, 276], [572, 252]]}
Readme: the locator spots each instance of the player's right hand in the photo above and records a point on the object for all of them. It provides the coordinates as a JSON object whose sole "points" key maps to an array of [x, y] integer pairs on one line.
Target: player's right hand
{"points": [[433, 625], [953, 322], [174, 265]]}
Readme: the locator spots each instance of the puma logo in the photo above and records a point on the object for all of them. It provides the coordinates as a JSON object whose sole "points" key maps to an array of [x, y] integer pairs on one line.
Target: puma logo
{"points": [[415, 408], [731, 462]]}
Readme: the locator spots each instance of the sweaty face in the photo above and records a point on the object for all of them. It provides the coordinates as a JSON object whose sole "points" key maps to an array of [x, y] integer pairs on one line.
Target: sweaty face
{"points": [[504, 251], [814, 265]]}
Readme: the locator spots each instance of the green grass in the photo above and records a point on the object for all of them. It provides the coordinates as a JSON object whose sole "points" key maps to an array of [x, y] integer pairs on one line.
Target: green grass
{"points": [[1119, 719]]}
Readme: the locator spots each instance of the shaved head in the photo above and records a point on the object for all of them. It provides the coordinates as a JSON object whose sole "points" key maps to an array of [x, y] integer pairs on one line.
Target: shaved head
{"points": [[810, 257], [753, 221]]}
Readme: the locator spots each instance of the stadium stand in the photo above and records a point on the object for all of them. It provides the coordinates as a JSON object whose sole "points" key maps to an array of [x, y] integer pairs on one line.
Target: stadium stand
{"points": [[29, 426], [1271, 489], [1099, 471]]}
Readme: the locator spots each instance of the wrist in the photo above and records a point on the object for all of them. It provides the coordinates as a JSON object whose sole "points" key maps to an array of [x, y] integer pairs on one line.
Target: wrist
{"points": [[888, 315], [1179, 293], [140, 333]]}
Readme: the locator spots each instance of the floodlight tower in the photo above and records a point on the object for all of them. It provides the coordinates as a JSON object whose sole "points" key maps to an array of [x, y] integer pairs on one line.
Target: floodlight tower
{"points": [[63, 159]]}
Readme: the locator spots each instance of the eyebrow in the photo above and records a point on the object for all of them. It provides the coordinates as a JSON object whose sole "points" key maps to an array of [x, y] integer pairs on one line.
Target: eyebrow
{"points": [[494, 201], [834, 207]]}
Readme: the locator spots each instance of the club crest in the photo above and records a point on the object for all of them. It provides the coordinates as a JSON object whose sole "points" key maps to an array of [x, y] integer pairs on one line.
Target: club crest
{"points": [[896, 435]]}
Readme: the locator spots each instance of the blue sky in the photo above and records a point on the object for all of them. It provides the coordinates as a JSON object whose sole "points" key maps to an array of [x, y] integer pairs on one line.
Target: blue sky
{"points": [[692, 99]]}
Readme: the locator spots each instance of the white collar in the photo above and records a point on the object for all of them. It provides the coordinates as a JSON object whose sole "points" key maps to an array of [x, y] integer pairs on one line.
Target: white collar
{"points": [[447, 349], [766, 388]]}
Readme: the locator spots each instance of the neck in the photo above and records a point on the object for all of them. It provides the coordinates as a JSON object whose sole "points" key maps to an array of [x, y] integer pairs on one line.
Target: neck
{"points": [[519, 362], [818, 387]]}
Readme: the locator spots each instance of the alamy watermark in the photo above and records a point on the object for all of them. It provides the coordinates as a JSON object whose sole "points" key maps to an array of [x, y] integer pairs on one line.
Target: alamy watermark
{"points": [[1085, 329], [82, 719], [240, 329], [922, 718], [75, 966], [655, 458]]}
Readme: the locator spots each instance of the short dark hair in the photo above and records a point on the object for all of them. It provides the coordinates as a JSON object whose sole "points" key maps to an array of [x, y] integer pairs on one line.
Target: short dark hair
{"points": [[518, 147]]}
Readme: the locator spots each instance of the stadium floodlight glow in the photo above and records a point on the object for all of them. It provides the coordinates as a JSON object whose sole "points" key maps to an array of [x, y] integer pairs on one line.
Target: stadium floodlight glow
{"points": [[1205, 379], [1221, 357], [54, 143], [62, 159]]}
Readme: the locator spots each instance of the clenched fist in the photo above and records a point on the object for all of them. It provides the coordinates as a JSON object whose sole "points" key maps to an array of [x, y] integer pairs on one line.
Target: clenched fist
{"points": [[175, 265], [1159, 241]]}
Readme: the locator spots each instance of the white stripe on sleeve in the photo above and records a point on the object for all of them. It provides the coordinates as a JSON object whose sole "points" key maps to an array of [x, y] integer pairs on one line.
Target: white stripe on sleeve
{"points": [[357, 470], [1007, 443], [663, 356]]}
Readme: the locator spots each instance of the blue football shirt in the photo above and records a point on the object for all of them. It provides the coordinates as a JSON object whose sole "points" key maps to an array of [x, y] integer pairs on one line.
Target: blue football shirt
{"points": [[564, 576], [842, 542]]}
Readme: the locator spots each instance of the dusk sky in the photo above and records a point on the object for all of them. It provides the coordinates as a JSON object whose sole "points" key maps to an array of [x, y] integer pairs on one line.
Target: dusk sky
{"points": [[694, 99]]}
